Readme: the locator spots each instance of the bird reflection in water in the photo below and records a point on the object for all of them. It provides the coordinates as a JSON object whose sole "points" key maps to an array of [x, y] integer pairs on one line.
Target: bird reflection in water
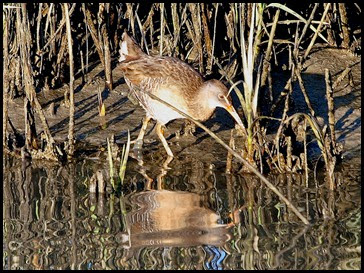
{"points": [[138, 155], [164, 218]]}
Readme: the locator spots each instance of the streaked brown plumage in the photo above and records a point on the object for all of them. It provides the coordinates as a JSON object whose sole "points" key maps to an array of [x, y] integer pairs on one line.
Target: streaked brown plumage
{"points": [[175, 82]]}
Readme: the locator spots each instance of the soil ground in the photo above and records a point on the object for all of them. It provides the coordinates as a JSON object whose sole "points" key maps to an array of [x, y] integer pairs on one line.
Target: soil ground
{"points": [[122, 115]]}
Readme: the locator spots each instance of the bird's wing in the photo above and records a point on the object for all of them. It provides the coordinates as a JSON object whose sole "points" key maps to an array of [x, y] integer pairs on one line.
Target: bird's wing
{"points": [[169, 71]]}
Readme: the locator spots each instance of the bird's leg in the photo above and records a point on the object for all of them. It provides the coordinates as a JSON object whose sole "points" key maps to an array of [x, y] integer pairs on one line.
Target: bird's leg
{"points": [[139, 140], [159, 131]]}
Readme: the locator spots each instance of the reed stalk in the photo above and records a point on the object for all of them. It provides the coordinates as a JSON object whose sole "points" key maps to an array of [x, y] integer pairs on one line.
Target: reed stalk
{"points": [[111, 164], [61, 25], [161, 8], [104, 10], [330, 105], [71, 138], [93, 32], [316, 33], [5, 74], [250, 101], [266, 61], [124, 159], [344, 25], [23, 30], [324, 144]]}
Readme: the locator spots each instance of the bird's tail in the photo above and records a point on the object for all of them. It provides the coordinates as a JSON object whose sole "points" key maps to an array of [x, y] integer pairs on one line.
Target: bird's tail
{"points": [[129, 49]]}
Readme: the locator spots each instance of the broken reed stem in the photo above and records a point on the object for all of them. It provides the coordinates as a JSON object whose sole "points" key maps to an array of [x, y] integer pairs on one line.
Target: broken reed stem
{"points": [[288, 22], [213, 40], [5, 74], [344, 25], [330, 105], [107, 54], [241, 159], [24, 34], [60, 57], [196, 33], [206, 33], [85, 20], [316, 33], [281, 95], [93, 32], [129, 14], [331, 21], [144, 41], [26, 79], [324, 143], [284, 116], [39, 18], [269, 49], [82, 67], [308, 22], [63, 21], [71, 140], [305, 165], [175, 21], [124, 159], [177, 34], [341, 77], [270, 83], [289, 153], [161, 8], [304, 92], [330, 162], [48, 19], [26, 125]]}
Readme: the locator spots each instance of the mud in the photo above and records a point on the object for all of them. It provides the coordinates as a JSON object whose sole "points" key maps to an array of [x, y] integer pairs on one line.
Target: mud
{"points": [[122, 115]]}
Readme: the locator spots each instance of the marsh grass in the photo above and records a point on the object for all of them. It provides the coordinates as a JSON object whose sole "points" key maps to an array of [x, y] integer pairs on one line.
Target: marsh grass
{"points": [[238, 42], [124, 159], [117, 181]]}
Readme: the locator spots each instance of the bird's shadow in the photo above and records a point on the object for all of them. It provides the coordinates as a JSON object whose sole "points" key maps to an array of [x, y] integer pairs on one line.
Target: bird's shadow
{"points": [[221, 117]]}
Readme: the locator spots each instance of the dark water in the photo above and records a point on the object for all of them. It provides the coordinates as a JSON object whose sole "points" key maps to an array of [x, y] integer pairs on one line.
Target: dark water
{"points": [[194, 216]]}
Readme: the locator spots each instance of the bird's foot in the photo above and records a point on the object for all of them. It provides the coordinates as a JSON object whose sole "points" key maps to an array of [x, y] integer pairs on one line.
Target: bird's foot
{"points": [[189, 129]]}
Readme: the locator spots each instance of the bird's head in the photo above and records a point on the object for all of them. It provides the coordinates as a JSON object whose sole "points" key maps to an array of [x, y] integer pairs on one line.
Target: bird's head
{"points": [[217, 96]]}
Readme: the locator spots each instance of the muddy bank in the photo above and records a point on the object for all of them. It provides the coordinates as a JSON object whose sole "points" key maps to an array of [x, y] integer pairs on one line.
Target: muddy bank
{"points": [[122, 115]]}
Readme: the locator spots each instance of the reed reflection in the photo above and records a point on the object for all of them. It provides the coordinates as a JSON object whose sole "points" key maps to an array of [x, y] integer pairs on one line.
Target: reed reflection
{"points": [[52, 221]]}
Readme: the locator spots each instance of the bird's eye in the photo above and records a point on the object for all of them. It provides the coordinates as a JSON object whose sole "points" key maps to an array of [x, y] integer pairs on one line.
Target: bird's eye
{"points": [[221, 97]]}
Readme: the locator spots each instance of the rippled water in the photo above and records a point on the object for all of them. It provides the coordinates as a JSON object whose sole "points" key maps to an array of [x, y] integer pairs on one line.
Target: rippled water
{"points": [[194, 216]]}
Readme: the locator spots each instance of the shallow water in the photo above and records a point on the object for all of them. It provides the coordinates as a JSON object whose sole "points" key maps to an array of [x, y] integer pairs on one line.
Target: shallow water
{"points": [[193, 216]]}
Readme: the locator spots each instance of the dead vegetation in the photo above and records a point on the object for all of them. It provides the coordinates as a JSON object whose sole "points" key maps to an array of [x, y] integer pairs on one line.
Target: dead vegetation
{"points": [[48, 45]]}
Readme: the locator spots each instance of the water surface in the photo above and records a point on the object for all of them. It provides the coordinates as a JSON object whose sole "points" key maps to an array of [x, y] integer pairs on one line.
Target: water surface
{"points": [[193, 216]]}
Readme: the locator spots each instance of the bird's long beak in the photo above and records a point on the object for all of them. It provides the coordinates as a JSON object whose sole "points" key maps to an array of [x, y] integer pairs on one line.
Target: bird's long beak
{"points": [[234, 114], [230, 108]]}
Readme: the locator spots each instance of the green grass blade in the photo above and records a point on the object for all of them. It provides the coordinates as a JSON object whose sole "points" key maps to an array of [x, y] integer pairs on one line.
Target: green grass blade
{"points": [[124, 159]]}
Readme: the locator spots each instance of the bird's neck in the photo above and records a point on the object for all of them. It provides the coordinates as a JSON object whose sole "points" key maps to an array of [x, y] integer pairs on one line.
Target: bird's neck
{"points": [[202, 105]]}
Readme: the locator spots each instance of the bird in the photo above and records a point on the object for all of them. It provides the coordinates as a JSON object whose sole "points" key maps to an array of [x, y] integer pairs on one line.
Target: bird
{"points": [[175, 82]]}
